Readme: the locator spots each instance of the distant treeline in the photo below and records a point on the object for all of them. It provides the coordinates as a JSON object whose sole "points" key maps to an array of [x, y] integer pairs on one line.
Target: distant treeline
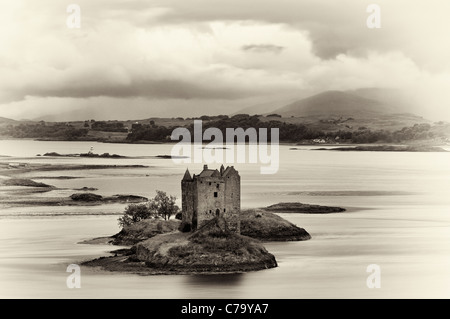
{"points": [[58, 131], [288, 132], [416, 132], [108, 126], [295, 133]]}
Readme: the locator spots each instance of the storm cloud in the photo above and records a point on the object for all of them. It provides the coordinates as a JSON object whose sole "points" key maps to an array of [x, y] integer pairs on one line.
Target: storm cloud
{"points": [[208, 56]]}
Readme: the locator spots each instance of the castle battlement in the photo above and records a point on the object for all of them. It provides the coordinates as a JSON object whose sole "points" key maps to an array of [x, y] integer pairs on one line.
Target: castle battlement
{"points": [[209, 194]]}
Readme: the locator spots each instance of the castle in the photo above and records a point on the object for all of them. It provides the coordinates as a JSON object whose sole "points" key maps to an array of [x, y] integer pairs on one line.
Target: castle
{"points": [[211, 193]]}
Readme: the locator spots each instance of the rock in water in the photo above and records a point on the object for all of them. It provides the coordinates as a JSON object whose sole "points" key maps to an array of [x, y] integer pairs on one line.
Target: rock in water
{"points": [[23, 182], [301, 208], [267, 226], [86, 197]]}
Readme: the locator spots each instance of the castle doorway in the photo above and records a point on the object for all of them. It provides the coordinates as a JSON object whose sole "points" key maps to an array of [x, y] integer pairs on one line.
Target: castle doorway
{"points": [[217, 212]]}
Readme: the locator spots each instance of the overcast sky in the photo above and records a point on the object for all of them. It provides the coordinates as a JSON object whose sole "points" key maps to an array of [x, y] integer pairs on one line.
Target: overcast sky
{"points": [[135, 59]]}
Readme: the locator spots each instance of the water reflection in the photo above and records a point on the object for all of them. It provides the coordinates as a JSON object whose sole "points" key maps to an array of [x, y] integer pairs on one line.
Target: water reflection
{"points": [[215, 280]]}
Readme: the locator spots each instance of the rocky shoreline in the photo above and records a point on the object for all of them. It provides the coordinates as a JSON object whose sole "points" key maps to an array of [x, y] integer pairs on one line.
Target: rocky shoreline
{"points": [[19, 189], [158, 247], [13, 169], [255, 223], [267, 226], [93, 155], [210, 249], [25, 200], [387, 148]]}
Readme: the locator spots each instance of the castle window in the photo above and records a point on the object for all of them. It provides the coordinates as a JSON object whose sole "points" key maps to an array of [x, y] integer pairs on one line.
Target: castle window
{"points": [[215, 194], [224, 210], [210, 211], [217, 185], [209, 183]]}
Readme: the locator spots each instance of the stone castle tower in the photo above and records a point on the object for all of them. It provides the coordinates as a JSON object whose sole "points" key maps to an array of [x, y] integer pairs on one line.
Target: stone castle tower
{"points": [[211, 193]]}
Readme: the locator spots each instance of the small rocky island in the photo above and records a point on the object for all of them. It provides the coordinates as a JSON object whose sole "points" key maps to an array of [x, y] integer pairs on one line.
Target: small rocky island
{"points": [[267, 226], [89, 154], [301, 208], [223, 239], [255, 223], [98, 199], [159, 247], [212, 248]]}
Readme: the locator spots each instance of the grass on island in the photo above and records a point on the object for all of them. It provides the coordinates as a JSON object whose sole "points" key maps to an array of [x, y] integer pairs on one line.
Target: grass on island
{"points": [[212, 248]]}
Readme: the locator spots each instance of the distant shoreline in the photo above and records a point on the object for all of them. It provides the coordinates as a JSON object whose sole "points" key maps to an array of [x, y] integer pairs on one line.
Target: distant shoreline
{"points": [[386, 148], [389, 147]]}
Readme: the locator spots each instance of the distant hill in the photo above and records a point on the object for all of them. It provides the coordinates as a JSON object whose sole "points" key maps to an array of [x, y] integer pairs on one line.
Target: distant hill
{"points": [[4, 120], [335, 103], [399, 100], [265, 108]]}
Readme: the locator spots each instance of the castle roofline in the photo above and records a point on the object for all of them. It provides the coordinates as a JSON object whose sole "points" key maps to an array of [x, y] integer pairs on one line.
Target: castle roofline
{"points": [[187, 176], [229, 170], [207, 172]]}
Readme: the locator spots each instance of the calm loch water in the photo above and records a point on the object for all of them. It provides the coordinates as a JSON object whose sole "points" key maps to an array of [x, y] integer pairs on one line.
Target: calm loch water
{"points": [[398, 218]]}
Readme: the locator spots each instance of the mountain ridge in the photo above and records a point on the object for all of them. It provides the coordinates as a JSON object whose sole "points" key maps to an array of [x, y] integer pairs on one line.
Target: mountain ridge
{"points": [[5, 121], [335, 103]]}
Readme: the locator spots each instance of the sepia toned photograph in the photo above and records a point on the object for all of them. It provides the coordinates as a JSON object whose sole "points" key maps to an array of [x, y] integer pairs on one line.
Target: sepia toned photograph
{"points": [[224, 150]]}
